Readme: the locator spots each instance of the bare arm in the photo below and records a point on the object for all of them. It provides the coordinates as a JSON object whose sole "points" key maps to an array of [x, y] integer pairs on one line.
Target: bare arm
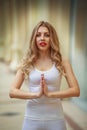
{"points": [[16, 91], [73, 90]]}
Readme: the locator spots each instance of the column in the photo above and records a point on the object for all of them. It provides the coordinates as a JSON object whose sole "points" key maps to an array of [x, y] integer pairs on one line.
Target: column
{"points": [[79, 48], [15, 35]]}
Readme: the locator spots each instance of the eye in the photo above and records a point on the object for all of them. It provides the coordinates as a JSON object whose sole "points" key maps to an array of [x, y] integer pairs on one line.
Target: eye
{"points": [[38, 35], [47, 35]]}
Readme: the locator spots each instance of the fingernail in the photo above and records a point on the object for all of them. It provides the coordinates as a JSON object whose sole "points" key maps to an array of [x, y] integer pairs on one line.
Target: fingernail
{"points": [[42, 75]]}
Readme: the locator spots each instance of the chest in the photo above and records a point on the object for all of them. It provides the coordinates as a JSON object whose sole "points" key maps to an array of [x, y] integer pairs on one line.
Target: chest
{"points": [[44, 65], [52, 76]]}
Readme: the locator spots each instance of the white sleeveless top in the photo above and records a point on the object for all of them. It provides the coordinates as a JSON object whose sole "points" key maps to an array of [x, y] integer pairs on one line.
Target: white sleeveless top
{"points": [[44, 108]]}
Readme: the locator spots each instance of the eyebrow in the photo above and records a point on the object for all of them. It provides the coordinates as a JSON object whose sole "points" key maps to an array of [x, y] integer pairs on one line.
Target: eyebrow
{"points": [[44, 32]]}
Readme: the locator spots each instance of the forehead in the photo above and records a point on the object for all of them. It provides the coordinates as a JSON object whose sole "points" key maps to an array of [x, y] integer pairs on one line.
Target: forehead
{"points": [[42, 29]]}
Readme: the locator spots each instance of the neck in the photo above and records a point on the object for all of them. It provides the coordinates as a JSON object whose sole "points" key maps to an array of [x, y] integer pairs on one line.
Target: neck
{"points": [[44, 55]]}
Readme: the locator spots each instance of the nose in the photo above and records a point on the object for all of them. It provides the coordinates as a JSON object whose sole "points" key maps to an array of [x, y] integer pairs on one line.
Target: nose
{"points": [[42, 37]]}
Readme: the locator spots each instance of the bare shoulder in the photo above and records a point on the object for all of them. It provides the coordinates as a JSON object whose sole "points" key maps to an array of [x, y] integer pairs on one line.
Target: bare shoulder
{"points": [[67, 66], [20, 74], [18, 80], [65, 61]]}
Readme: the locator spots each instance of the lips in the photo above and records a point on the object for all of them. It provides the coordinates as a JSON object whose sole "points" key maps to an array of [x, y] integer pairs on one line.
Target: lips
{"points": [[43, 44]]}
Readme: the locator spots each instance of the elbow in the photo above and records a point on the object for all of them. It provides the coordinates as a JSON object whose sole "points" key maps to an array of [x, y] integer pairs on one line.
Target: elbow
{"points": [[77, 92], [11, 94]]}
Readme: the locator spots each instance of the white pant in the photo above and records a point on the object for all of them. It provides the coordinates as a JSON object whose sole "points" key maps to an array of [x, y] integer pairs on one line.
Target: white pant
{"points": [[44, 125]]}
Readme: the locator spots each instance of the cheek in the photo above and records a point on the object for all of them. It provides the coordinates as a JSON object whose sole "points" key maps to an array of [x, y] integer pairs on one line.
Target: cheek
{"points": [[48, 40], [49, 43], [37, 45], [36, 41]]}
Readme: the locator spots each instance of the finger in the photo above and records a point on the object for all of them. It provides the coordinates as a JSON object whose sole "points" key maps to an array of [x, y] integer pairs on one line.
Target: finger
{"points": [[42, 83], [42, 76], [42, 79]]}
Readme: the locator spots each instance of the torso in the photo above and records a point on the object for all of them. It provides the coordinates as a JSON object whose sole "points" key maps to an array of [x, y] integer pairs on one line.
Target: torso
{"points": [[50, 107]]}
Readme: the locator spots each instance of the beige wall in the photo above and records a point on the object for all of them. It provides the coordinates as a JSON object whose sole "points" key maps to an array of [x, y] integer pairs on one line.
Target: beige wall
{"points": [[18, 19]]}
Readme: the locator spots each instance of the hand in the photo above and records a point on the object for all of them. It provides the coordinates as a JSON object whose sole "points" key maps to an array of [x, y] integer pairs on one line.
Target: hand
{"points": [[41, 92], [44, 86]]}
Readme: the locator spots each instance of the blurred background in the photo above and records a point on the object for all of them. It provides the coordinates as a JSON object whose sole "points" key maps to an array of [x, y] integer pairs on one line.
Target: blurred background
{"points": [[17, 20]]}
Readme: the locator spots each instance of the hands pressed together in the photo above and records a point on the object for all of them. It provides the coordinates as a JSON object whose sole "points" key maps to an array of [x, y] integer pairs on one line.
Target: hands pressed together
{"points": [[43, 87]]}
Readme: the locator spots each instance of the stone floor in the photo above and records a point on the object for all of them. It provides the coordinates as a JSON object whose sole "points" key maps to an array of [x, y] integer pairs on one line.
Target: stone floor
{"points": [[12, 110]]}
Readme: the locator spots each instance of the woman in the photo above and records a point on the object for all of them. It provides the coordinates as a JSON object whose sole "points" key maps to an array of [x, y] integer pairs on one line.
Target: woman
{"points": [[44, 66]]}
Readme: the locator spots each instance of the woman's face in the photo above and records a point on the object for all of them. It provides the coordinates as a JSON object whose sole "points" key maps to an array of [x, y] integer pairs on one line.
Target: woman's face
{"points": [[43, 38]]}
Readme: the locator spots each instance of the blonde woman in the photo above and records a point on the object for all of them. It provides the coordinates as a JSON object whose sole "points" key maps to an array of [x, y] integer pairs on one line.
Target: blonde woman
{"points": [[44, 66]]}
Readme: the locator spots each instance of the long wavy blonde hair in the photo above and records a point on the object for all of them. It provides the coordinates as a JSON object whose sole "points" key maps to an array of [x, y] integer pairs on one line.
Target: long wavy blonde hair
{"points": [[32, 54]]}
